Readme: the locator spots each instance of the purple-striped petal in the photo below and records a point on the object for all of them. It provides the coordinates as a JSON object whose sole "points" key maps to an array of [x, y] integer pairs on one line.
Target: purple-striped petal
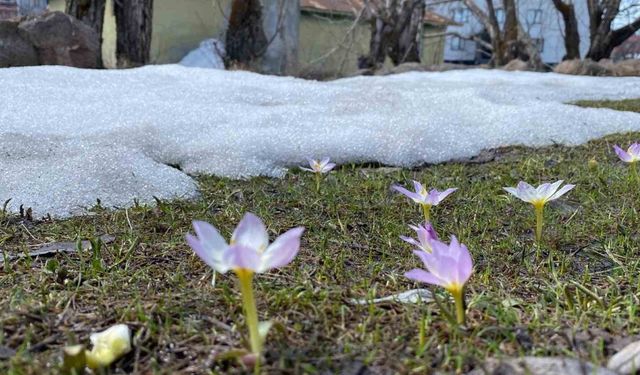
{"points": [[239, 257], [622, 154], [417, 186], [209, 235], [562, 191], [552, 189], [282, 251], [543, 189], [251, 232], [634, 150], [433, 197], [208, 245], [465, 264], [513, 191], [411, 241], [423, 276], [445, 194], [407, 193], [212, 259], [328, 167], [526, 192]]}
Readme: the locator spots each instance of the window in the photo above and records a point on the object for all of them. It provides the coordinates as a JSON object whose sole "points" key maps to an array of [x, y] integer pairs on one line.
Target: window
{"points": [[534, 16], [457, 44], [500, 15], [538, 42], [460, 15]]}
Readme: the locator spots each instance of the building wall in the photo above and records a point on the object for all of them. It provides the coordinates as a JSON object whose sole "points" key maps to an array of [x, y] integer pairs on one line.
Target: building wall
{"points": [[328, 47], [433, 45], [8, 9], [31, 7], [550, 29]]}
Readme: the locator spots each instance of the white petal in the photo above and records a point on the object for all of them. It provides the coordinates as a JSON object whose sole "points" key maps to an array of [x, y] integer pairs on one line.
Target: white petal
{"points": [[251, 233]]}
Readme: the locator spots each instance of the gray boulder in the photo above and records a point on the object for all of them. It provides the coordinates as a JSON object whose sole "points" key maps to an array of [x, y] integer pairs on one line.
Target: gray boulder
{"points": [[14, 49], [60, 39]]}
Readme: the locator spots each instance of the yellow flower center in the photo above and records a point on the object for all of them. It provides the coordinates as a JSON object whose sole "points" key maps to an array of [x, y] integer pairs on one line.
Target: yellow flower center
{"points": [[538, 203]]}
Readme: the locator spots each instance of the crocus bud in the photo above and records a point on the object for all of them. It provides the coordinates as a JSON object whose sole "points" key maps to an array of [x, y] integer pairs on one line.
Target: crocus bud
{"points": [[108, 346], [73, 359]]}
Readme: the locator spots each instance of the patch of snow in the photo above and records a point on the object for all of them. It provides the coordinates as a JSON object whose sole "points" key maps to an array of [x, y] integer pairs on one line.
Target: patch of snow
{"points": [[69, 137], [208, 55]]}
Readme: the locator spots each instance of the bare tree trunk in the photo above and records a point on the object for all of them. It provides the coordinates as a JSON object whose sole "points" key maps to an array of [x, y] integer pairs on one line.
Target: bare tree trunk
{"points": [[405, 46], [245, 41], [603, 38], [503, 42], [571, 34], [396, 32], [134, 20], [91, 12]]}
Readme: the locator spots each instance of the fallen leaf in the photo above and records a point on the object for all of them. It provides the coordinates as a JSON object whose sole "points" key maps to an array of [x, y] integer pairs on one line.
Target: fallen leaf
{"points": [[627, 360], [410, 296], [539, 366], [57, 247]]}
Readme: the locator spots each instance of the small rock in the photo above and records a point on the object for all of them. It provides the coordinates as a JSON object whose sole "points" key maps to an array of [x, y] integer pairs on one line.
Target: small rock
{"points": [[6, 352], [626, 361], [539, 366]]}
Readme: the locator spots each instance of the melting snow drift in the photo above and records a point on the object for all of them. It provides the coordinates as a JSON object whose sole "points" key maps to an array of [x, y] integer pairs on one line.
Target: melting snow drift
{"points": [[69, 137]]}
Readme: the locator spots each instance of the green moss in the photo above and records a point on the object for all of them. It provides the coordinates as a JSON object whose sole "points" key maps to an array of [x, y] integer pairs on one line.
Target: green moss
{"points": [[632, 105]]}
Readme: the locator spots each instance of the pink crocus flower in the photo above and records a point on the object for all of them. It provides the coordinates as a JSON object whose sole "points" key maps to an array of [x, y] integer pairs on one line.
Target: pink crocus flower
{"points": [[425, 198], [249, 248], [319, 168], [425, 233], [449, 266], [632, 154], [247, 253], [538, 197]]}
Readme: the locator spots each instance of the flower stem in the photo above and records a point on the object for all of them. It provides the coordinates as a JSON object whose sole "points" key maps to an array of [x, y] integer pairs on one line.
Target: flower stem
{"points": [[634, 172], [426, 209], [539, 216], [250, 311], [458, 297], [421, 334], [318, 180]]}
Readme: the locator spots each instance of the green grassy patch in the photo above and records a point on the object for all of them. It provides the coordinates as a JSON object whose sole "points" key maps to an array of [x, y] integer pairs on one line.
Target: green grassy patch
{"points": [[632, 105], [148, 277]]}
